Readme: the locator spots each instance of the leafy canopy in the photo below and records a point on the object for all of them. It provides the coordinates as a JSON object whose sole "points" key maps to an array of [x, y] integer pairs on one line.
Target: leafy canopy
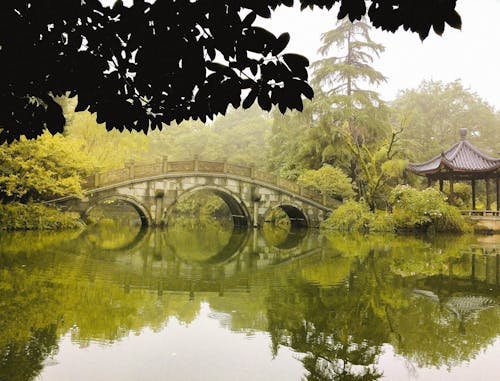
{"points": [[328, 180], [41, 169], [155, 62], [435, 113]]}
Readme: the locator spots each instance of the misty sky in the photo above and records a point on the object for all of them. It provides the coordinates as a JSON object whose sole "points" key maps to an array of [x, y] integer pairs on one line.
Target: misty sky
{"points": [[472, 54]]}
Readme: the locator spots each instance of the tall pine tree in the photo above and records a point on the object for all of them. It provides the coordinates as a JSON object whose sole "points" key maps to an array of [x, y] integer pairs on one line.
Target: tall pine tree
{"points": [[344, 102], [342, 84]]}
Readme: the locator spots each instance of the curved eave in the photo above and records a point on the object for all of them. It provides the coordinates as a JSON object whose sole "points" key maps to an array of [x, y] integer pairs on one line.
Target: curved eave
{"points": [[444, 169], [447, 162], [439, 166]]}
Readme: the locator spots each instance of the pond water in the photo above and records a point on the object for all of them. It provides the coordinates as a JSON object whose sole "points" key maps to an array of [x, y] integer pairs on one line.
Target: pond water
{"points": [[192, 303]]}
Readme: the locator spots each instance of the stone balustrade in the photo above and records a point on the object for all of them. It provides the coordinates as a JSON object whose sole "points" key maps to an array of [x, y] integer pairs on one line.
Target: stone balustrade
{"points": [[136, 171]]}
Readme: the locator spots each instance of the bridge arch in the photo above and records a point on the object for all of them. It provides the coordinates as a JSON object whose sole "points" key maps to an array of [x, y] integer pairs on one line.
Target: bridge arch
{"points": [[298, 219], [239, 211], [287, 240], [236, 242], [142, 211]]}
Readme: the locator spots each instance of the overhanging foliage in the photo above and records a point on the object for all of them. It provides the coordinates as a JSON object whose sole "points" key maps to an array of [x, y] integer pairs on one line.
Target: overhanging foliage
{"points": [[140, 66]]}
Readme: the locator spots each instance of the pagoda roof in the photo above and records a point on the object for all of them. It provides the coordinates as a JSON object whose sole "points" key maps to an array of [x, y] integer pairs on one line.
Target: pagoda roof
{"points": [[462, 158]]}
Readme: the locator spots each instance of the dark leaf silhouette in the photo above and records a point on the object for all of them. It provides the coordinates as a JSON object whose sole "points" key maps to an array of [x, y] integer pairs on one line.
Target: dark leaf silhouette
{"points": [[281, 43], [149, 64], [297, 64]]}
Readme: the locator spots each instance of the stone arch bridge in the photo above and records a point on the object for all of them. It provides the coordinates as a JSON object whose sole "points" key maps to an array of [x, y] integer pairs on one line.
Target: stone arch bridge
{"points": [[154, 189]]}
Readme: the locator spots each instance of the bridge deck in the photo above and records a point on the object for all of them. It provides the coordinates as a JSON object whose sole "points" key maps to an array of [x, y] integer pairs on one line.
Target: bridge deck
{"points": [[141, 172]]}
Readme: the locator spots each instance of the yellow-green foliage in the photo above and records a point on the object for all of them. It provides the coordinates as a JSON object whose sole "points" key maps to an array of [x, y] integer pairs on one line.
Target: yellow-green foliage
{"points": [[44, 168], [354, 216], [381, 221], [104, 149], [239, 137], [350, 216], [415, 210], [328, 180], [425, 209], [462, 195], [17, 216], [394, 168]]}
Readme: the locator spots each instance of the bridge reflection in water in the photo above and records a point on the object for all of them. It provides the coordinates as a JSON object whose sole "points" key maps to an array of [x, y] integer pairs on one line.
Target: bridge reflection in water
{"points": [[335, 300], [172, 256]]}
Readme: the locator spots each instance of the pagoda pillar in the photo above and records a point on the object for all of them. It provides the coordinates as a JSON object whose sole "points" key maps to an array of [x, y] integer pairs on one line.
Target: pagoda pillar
{"points": [[463, 161], [498, 194], [451, 192], [488, 200], [473, 185]]}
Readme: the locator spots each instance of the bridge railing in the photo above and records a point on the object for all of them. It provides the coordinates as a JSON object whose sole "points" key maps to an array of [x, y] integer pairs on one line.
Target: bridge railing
{"points": [[145, 170], [134, 170], [179, 166]]}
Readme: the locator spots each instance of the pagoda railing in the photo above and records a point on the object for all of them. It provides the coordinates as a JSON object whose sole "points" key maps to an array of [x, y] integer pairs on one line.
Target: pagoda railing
{"points": [[480, 213]]}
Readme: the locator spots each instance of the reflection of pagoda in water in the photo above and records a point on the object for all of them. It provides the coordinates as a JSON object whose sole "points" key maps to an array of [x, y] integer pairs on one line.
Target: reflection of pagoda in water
{"points": [[465, 307], [465, 295]]}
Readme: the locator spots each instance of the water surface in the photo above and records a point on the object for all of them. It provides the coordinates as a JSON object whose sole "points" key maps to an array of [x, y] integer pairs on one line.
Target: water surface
{"points": [[188, 303]]}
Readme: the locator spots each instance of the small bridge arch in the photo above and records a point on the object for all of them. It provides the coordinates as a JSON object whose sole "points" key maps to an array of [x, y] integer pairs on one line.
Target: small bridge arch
{"points": [[141, 210], [239, 211], [295, 214]]}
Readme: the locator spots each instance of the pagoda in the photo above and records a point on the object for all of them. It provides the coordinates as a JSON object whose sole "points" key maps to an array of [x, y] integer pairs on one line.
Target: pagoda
{"points": [[462, 162]]}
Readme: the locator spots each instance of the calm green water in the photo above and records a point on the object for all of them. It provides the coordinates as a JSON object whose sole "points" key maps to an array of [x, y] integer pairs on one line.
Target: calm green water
{"points": [[192, 304]]}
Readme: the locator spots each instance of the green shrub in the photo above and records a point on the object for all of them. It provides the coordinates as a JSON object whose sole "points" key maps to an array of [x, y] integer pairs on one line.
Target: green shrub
{"points": [[414, 210], [425, 210], [382, 221], [355, 216], [17, 216], [328, 180], [351, 216]]}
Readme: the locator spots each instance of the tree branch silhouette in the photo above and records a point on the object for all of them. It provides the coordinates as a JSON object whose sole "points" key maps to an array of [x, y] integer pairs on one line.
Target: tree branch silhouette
{"points": [[153, 63]]}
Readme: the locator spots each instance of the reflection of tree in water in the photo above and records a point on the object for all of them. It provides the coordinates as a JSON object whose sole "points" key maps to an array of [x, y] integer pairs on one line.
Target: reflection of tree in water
{"points": [[21, 360], [113, 235], [119, 211], [337, 328], [285, 237], [212, 244], [338, 306], [341, 329]]}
